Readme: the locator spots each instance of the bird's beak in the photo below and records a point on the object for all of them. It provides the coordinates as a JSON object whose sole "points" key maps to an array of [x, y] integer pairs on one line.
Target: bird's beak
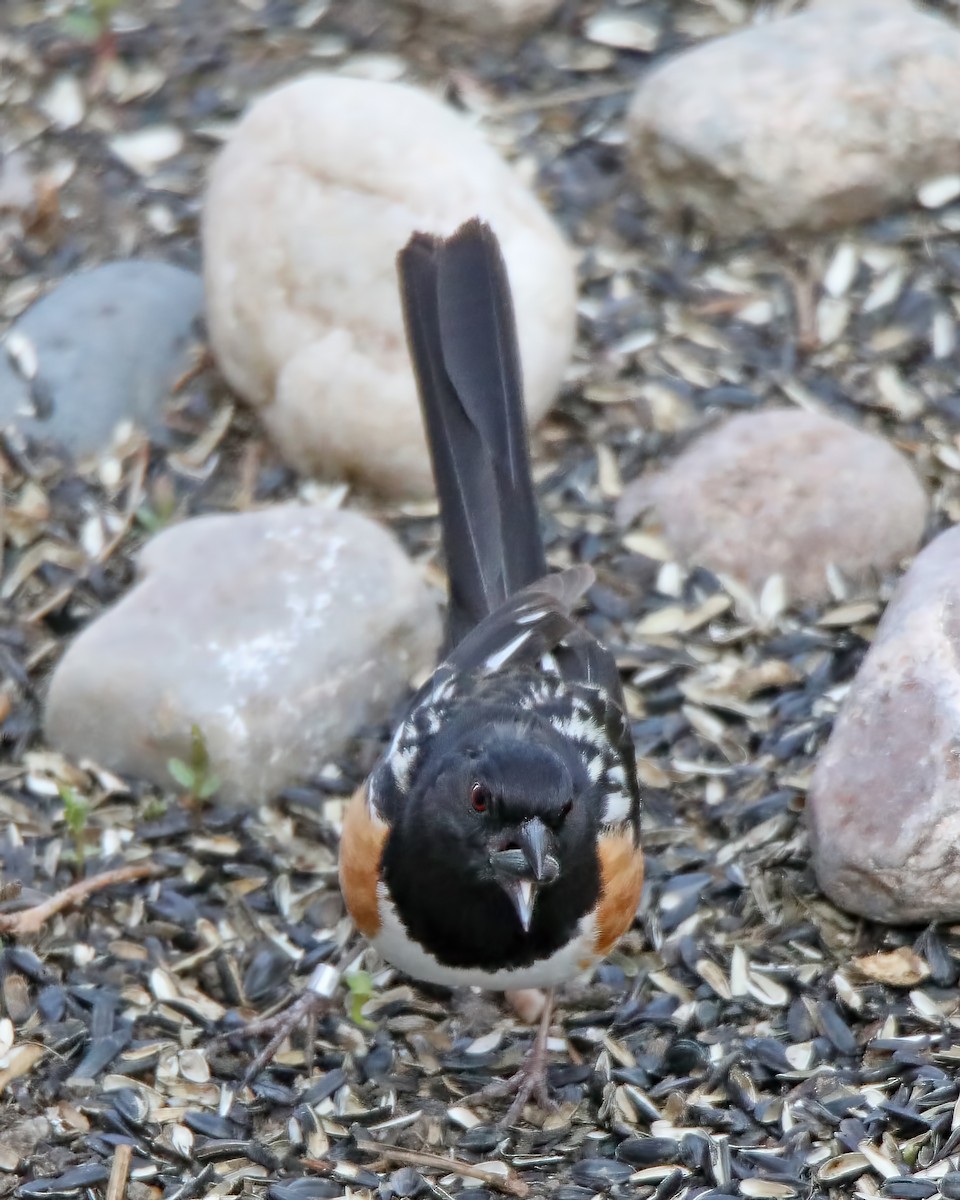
{"points": [[522, 871]]}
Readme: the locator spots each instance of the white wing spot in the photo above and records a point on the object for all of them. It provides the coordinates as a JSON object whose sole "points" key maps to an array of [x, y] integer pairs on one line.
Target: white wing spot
{"points": [[579, 727], [496, 660], [549, 663], [402, 730], [443, 690], [401, 764], [616, 808]]}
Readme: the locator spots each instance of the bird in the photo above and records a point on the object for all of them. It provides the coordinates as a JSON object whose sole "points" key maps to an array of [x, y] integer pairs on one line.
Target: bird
{"points": [[496, 843]]}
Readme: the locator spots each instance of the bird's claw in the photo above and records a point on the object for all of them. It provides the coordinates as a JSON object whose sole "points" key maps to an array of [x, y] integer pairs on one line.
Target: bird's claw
{"points": [[529, 1083], [304, 1009]]}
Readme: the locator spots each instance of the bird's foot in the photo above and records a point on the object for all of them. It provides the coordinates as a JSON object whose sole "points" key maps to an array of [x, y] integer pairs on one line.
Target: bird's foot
{"points": [[303, 1010], [529, 1083]]}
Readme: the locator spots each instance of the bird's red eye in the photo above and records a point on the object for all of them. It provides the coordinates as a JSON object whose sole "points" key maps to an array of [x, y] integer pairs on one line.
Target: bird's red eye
{"points": [[479, 798]]}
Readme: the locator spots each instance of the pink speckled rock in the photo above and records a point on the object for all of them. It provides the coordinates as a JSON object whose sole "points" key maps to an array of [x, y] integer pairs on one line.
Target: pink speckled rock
{"points": [[786, 492], [884, 808]]}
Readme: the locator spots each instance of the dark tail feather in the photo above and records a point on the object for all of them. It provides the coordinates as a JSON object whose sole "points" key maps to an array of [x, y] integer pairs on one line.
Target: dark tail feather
{"points": [[463, 342]]}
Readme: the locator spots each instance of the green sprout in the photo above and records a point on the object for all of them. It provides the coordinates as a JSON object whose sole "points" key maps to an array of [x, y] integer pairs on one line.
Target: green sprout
{"points": [[159, 510], [75, 814], [154, 808], [360, 985], [89, 20], [196, 777]]}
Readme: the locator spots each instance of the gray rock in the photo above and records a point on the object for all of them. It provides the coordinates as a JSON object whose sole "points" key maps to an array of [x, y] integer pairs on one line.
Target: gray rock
{"points": [[279, 633], [884, 806], [786, 492], [831, 116], [108, 344]]}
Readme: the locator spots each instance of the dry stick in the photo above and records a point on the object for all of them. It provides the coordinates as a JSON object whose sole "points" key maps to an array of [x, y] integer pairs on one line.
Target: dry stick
{"points": [[119, 1172], [32, 920], [134, 497], [576, 94], [808, 337], [200, 363], [510, 1184]]}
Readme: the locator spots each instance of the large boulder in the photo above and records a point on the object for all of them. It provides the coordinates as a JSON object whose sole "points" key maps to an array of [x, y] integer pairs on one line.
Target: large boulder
{"points": [[322, 183]]}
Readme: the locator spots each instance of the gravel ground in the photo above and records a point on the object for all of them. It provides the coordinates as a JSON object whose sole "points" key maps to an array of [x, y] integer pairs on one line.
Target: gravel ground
{"points": [[771, 1045]]}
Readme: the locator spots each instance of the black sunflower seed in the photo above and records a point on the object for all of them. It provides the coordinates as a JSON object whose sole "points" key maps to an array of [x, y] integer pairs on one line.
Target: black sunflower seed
{"points": [[267, 972], [950, 1185], [481, 1139], [407, 1182], [70, 1182], [642, 1152], [332, 1082], [835, 1029], [101, 1053], [669, 1186], [306, 1188], [907, 1188], [600, 1173], [210, 1125]]}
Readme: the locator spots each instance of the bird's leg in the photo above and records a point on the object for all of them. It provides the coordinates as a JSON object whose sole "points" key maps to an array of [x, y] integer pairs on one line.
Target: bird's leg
{"points": [[530, 1081], [303, 1009]]}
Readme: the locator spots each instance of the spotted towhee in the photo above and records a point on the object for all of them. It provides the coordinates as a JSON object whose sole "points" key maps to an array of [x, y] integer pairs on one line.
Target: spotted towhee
{"points": [[497, 843]]}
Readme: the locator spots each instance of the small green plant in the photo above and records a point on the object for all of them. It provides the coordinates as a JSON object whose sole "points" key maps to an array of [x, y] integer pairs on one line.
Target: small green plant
{"points": [[196, 777], [89, 20], [154, 807], [159, 510], [75, 814], [360, 985]]}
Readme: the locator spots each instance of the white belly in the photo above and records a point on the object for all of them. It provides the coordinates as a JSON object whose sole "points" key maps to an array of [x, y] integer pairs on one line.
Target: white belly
{"points": [[398, 948]]}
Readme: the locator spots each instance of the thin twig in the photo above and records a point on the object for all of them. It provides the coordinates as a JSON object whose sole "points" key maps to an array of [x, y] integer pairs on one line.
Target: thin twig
{"points": [[32, 920], [561, 96], [509, 1183], [119, 1172], [203, 358]]}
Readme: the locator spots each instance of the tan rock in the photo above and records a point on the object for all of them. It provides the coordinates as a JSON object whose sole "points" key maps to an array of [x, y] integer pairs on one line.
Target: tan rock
{"points": [[884, 808], [309, 202], [279, 633], [785, 492], [831, 116]]}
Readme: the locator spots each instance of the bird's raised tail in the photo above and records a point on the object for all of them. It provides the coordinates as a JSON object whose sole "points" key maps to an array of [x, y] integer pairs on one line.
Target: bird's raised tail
{"points": [[463, 341]]}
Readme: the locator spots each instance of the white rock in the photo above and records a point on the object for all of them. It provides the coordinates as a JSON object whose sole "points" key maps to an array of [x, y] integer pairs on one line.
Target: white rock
{"points": [[322, 183], [279, 633]]}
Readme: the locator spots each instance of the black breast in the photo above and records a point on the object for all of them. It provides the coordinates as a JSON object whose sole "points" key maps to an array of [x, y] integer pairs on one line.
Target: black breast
{"points": [[468, 923]]}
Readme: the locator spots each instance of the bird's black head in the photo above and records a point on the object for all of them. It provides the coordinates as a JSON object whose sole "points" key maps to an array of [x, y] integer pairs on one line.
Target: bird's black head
{"points": [[499, 831]]}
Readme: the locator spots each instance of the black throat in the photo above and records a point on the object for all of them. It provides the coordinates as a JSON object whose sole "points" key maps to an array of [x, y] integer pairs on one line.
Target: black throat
{"points": [[471, 923]]}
